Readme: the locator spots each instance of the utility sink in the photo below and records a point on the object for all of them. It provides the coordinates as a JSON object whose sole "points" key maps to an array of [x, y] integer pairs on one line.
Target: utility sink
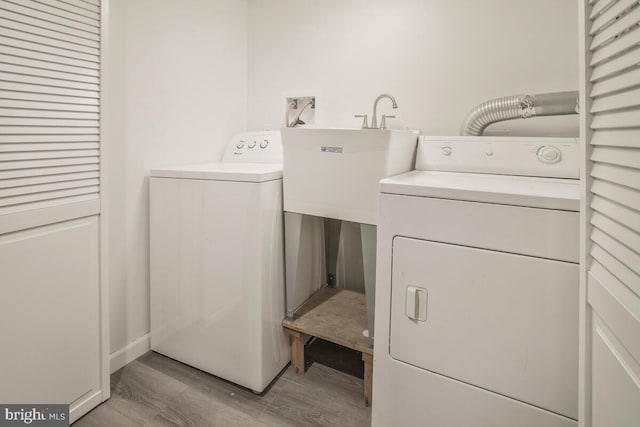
{"points": [[334, 173]]}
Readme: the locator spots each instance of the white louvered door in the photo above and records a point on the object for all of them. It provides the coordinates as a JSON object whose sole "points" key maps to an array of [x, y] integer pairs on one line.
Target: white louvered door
{"points": [[610, 288], [49, 108], [51, 305]]}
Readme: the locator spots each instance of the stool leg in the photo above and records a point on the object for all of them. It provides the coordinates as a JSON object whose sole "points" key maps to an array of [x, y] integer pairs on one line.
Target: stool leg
{"points": [[368, 377], [297, 353]]}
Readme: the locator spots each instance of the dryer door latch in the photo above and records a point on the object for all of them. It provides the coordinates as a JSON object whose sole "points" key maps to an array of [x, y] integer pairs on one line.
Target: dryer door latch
{"points": [[416, 304]]}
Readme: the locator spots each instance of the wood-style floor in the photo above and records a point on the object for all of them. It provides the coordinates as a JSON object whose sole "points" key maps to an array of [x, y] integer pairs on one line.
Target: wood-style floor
{"points": [[157, 391]]}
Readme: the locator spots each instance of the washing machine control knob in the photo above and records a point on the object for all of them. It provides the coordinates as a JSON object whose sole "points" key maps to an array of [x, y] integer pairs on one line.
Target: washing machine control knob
{"points": [[264, 143], [446, 150], [252, 144], [549, 154], [240, 144]]}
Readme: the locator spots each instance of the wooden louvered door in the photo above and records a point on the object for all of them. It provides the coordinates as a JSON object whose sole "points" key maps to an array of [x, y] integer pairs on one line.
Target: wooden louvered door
{"points": [[610, 288], [52, 310]]}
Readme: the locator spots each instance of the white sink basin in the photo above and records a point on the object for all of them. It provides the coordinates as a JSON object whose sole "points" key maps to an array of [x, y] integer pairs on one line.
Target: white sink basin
{"points": [[334, 173]]}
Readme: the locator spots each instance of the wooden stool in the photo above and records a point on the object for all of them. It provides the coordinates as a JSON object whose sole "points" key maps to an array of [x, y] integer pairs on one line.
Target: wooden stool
{"points": [[334, 315]]}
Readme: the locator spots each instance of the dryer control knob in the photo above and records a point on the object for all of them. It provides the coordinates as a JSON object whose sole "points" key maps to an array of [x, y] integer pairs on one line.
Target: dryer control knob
{"points": [[446, 150], [240, 144], [264, 143], [549, 154], [252, 144]]}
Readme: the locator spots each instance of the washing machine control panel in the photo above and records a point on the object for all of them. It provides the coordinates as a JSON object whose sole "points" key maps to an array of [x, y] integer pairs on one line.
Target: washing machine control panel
{"points": [[528, 156], [254, 147]]}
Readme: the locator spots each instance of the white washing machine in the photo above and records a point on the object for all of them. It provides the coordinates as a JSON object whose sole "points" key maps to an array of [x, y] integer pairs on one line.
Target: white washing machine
{"points": [[477, 286], [217, 263]]}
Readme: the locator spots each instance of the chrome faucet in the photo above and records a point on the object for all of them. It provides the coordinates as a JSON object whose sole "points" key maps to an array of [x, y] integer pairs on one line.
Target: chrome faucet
{"points": [[374, 119]]}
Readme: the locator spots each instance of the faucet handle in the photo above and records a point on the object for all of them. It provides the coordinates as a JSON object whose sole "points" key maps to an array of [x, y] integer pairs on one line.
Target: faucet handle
{"points": [[365, 124], [383, 122]]}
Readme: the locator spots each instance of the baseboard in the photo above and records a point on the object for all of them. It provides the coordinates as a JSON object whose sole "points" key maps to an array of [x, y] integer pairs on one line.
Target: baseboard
{"points": [[84, 404], [131, 352]]}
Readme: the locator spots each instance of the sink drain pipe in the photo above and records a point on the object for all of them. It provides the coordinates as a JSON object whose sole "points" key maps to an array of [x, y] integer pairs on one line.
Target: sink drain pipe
{"points": [[519, 107]]}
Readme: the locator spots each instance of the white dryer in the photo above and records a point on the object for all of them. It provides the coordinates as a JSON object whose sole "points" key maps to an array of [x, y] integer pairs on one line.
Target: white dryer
{"points": [[477, 300], [217, 262]]}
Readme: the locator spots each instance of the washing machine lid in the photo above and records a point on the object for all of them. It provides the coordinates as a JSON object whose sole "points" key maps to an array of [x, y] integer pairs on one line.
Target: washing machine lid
{"points": [[243, 172], [547, 193]]}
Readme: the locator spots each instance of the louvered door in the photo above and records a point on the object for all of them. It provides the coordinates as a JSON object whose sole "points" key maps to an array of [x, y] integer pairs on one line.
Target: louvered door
{"points": [[49, 110], [52, 307], [610, 100]]}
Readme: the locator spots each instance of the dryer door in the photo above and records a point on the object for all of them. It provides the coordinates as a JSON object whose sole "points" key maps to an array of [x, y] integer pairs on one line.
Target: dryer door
{"points": [[503, 322]]}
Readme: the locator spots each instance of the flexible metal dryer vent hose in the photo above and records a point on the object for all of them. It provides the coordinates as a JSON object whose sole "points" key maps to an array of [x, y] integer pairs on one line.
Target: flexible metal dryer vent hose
{"points": [[519, 107]]}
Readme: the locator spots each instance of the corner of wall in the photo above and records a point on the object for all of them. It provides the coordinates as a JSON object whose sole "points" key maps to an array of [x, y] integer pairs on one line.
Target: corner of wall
{"points": [[131, 352]]}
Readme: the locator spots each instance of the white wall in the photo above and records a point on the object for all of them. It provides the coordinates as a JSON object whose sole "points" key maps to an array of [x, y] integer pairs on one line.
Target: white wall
{"points": [[175, 92], [439, 58]]}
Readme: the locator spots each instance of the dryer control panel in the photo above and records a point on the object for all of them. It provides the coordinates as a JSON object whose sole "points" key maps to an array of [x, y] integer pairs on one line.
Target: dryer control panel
{"points": [[526, 156]]}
